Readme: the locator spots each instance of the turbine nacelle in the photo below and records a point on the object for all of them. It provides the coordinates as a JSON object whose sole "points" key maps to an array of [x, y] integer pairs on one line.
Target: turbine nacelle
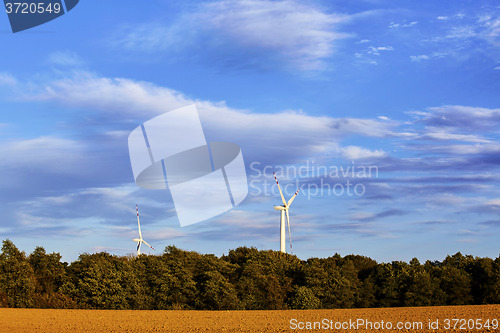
{"points": [[280, 208]]}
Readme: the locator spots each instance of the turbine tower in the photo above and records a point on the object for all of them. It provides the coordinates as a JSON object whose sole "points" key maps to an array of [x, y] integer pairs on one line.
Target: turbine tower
{"points": [[284, 211], [140, 240]]}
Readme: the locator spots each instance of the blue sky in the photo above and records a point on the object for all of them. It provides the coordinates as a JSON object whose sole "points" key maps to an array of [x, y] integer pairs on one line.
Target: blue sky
{"points": [[408, 88]]}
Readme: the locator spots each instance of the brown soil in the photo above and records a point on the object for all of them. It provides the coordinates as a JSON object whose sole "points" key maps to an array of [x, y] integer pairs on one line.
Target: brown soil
{"points": [[45, 320]]}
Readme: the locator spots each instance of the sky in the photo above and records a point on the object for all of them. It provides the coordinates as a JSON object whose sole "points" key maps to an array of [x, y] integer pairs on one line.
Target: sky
{"points": [[385, 113]]}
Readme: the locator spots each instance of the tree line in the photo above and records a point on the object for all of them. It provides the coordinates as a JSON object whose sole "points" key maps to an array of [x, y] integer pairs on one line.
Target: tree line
{"points": [[245, 278]]}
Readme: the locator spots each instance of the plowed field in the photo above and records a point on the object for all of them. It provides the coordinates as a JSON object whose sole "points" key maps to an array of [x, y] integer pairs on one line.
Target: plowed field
{"points": [[441, 319]]}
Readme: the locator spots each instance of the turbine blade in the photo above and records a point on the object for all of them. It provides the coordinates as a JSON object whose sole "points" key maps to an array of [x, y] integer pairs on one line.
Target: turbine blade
{"points": [[281, 193], [293, 198], [289, 232], [138, 248], [148, 244], [138, 222]]}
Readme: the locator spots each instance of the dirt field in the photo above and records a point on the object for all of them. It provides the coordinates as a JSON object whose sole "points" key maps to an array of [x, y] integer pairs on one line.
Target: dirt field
{"points": [[352, 320]]}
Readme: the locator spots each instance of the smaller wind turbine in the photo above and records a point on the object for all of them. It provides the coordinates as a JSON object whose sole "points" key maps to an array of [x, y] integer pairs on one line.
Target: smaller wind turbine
{"points": [[284, 211], [140, 240]]}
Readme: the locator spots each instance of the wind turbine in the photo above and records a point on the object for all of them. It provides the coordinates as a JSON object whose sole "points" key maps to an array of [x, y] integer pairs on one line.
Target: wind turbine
{"points": [[284, 211], [140, 240]]}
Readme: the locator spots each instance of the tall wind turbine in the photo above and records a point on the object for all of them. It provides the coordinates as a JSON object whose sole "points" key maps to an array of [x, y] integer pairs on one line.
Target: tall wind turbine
{"points": [[284, 211], [140, 240]]}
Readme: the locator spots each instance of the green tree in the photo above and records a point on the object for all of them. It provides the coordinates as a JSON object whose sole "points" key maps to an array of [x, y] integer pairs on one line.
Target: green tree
{"points": [[482, 273], [97, 281], [420, 286], [304, 298], [50, 274], [216, 293], [48, 269], [366, 289], [493, 292], [213, 278], [334, 281], [386, 285], [172, 279], [267, 280], [456, 284], [17, 280]]}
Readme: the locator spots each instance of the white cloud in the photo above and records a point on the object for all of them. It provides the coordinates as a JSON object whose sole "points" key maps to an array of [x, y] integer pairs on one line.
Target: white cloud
{"points": [[465, 118], [40, 225], [458, 37], [294, 132], [450, 126], [153, 36], [365, 127], [459, 149], [440, 134], [461, 32], [358, 153], [419, 58], [298, 32], [161, 234], [492, 31], [118, 134], [402, 25], [65, 58], [114, 96], [113, 193], [7, 79], [376, 50], [493, 202], [474, 149], [50, 153], [40, 161]]}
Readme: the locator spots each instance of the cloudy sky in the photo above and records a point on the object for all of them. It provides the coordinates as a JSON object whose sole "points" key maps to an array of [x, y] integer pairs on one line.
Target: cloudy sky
{"points": [[409, 90]]}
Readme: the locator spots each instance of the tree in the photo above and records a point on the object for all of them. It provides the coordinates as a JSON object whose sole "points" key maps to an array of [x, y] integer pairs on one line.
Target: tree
{"points": [[97, 281], [420, 287], [493, 292], [215, 292], [246, 278], [305, 299], [50, 274], [334, 281], [267, 279], [171, 279], [481, 271], [17, 280], [456, 284], [48, 269], [386, 285]]}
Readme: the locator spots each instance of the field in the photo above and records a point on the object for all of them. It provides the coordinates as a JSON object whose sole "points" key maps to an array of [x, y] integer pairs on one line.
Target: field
{"points": [[470, 319]]}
